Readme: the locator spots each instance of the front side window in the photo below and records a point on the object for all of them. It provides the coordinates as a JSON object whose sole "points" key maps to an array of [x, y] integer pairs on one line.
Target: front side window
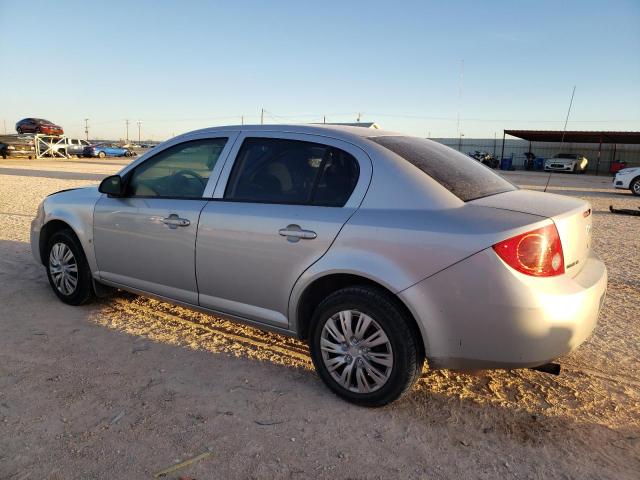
{"points": [[272, 170], [180, 171]]}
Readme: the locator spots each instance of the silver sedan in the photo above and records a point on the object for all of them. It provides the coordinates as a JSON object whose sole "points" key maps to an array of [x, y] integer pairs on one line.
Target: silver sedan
{"points": [[380, 250]]}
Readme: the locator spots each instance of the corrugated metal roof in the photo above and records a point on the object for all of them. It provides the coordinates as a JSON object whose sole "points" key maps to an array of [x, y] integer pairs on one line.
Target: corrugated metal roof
{"points": [[576, 136]]}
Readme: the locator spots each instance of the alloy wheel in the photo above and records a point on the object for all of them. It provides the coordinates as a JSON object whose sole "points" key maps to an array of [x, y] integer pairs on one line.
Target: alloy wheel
{"points": [[356, 351], [63, 268]]}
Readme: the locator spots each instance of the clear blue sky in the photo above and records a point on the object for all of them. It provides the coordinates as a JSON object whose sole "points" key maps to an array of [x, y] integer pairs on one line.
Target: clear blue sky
{"points": [[178, 66]]}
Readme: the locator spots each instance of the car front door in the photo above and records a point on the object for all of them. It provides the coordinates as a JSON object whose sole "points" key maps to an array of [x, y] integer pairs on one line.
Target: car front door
{"points": [[146, 240], [276, 210]]}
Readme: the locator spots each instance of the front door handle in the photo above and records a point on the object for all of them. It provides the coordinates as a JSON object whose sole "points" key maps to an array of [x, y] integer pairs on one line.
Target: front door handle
{"points": [[174, 221], [294, 233]]}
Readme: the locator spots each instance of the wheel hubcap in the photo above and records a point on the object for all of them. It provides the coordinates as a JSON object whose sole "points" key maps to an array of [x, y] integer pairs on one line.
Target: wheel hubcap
{"points": [[636, 187], [356, 351], [63, 268]]}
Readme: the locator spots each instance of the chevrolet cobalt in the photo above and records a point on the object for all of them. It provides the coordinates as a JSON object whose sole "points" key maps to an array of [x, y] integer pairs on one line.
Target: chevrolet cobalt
{"points": [[378, 249]]}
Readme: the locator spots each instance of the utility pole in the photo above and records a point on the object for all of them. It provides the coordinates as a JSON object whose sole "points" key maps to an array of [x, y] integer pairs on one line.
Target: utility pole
{"points": [[127, 123], [4, 124], [262, 116], [324, 119], [86, 129], [359, 115], [241, 119], [139, 122]]}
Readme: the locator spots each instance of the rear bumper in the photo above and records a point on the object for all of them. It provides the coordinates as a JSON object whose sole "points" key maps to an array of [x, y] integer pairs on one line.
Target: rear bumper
{"points": [[20, 153], [480, 313]]}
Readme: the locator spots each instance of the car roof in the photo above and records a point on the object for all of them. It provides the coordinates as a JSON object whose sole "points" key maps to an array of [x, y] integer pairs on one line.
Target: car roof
{"points": [[341, 132]]}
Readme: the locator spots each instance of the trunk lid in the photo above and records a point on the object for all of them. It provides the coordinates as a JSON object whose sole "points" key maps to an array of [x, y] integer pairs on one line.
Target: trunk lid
{"points": [[572, 217]]}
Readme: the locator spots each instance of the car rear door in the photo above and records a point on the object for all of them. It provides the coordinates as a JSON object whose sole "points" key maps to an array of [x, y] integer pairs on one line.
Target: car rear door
{"points": [[146, 240], [281, 200]]}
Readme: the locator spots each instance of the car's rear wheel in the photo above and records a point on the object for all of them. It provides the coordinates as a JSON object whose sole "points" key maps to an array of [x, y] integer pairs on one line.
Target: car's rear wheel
{"points": [[67, 268], [127, 153], [102, 154], [635, 186], [363, 347], [19, 130]]}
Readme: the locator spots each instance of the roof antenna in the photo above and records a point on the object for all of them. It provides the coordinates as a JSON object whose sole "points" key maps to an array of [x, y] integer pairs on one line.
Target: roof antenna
{"points": [[566, 120]]}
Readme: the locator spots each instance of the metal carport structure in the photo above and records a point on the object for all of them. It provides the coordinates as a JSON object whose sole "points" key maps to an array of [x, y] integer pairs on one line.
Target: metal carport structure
{"points": [[576, 136]]}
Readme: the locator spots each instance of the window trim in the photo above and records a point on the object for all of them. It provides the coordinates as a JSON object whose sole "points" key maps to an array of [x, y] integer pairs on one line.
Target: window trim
{"points": [[363, 161]]}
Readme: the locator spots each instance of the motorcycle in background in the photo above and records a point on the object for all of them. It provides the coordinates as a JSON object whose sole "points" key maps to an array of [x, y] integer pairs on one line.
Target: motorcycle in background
{"points": [[485, 158]]}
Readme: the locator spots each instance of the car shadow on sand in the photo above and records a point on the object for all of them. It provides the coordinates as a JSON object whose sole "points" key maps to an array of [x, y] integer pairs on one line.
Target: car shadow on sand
{"points": [[577, 425]]}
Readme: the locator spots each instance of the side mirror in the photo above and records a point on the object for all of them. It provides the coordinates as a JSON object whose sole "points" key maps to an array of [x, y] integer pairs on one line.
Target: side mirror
{"points": [[112, 186]]}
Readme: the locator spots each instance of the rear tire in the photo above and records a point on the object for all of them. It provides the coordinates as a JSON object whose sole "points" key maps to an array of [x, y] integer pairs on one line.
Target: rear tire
{"points": [[372, 365], [67, 268], [634, 186]]}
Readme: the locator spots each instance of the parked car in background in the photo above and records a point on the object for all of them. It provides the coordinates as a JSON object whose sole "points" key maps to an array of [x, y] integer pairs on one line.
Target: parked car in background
{"points": [[17, 146], [76, 146], [566, 162], [38, 125], [378, 249], [106, 150], [628, 178]]}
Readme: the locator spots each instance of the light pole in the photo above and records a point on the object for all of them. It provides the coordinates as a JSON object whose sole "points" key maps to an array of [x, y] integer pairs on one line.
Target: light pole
{"points": [[139, 122], [460, 142], [86, 129], [127, 123]]}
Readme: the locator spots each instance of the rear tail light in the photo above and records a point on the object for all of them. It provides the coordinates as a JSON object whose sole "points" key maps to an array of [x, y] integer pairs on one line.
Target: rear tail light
{"points": [[537, 253]]}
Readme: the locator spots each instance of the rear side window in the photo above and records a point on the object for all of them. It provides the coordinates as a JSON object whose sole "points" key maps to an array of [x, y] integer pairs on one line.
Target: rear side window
{"points": [[272, 170], [463, 176]]}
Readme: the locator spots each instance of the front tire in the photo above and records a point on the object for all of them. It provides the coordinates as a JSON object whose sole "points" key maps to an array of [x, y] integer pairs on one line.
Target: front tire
{"points": [[363, 347], [635, 186], [67, 268], [101, 154]]}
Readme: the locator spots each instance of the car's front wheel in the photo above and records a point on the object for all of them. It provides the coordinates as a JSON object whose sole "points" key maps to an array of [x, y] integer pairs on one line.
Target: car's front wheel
{"points": [[635, 186], [102, 154], [67, 268], [363, 347]]}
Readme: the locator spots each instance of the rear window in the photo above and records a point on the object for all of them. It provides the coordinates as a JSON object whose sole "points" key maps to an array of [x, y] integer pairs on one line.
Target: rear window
{"points": [[463, 176]]}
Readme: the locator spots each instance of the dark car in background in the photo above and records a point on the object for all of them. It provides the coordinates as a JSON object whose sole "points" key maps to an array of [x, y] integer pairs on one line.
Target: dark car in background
{"points": [[16, 146], [38, 125]]}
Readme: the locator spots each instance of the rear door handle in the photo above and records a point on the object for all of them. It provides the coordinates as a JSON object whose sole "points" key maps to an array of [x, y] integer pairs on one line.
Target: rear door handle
{"points": [[174, 221], [294, 233]]}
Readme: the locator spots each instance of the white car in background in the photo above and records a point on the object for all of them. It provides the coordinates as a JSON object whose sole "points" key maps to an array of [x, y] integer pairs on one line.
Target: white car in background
{"points": [[628, 179], [566, 162]]}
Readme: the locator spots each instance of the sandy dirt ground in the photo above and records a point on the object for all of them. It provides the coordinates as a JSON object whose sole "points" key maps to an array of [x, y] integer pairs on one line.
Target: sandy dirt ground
{"points": [[127, 386]]}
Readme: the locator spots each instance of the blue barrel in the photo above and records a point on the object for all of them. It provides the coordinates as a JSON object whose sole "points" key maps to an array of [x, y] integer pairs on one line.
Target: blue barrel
{"points": [[505, 163]]}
